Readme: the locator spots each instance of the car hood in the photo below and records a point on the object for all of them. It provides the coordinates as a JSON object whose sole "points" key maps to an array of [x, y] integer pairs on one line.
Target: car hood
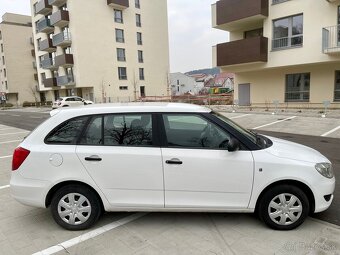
{"points": [[289, 150]]}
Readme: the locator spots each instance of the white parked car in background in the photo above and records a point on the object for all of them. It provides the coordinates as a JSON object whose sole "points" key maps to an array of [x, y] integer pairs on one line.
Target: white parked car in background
{"points": [[165, 157], [70, 102]]}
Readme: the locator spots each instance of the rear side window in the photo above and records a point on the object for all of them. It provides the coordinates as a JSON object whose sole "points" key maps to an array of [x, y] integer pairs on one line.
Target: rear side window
{"points": [[67, 132]]}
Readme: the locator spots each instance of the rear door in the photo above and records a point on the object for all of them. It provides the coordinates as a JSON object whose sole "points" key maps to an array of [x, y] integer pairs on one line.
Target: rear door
{"points": [[199, 171], [119, 152]]}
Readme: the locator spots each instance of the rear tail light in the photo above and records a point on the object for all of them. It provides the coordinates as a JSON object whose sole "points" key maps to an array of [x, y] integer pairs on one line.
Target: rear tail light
{"points": [[19, 156]]}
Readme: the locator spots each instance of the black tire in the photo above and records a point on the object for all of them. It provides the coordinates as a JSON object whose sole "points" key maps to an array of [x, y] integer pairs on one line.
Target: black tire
{"points": [[263, 209], [92, 198], [66, 106]]}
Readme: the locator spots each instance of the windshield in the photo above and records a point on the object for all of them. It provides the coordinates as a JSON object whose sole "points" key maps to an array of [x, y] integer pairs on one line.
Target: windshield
{"points": [[240, 129]]}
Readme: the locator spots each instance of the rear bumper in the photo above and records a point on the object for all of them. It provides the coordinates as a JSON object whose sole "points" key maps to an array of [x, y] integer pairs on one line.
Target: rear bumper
{"points": [[28, 191], [324, 188]]}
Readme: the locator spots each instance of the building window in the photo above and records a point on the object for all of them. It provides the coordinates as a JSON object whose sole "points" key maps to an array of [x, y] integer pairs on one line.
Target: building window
{"points": [[2, 48], [253, 33], [3, 60], [288, 32], [6, 85], [123, 87], [142, 91], [141, 74], [138, 20], [121, 54], [140, 56], [122, 73], [337, 86], [279, 1], [137, 4], [139, 38], [297, 87], [120, 35], [118, 16], [5, 72]]}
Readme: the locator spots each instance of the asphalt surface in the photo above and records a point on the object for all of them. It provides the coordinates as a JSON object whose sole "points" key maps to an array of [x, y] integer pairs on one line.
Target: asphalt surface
{"points": [[330, 147]]}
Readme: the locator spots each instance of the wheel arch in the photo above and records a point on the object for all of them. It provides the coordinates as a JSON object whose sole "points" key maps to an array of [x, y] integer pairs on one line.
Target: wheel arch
{"points": [[57, 186], [305, 188]]}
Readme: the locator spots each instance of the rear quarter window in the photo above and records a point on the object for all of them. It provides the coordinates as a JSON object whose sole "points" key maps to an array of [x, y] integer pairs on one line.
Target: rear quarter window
{"points": [[67, 132]]}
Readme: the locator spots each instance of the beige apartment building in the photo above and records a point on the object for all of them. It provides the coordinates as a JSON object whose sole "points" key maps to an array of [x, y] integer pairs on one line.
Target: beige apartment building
{"points": [[104, 51], [282, 51], [18, 78]]}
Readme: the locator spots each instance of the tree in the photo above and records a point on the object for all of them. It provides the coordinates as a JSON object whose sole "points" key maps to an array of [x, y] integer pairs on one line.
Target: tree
{"points": [[33, 91]]}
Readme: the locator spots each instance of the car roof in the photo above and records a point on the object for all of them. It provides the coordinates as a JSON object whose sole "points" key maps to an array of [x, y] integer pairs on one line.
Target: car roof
{"points": [[131, 107]]}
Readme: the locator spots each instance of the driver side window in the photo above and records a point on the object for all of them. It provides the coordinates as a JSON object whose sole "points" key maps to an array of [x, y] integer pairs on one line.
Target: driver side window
{"points": [[193, 131]]}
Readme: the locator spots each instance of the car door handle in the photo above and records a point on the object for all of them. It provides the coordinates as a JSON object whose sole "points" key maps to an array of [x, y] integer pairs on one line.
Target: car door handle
{"points": [[174, 161], [93, 158]]}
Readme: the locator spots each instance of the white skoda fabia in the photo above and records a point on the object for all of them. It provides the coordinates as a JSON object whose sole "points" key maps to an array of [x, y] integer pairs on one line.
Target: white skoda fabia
{"points": [[165, 157]]}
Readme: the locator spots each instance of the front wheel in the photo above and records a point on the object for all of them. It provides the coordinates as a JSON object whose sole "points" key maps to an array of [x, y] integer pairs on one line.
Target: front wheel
{"points": [[75, 207], [284, 207]]}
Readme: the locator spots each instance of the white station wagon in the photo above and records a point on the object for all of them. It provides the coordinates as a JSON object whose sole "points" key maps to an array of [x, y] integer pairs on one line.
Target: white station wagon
{"points": [[165, 157]]}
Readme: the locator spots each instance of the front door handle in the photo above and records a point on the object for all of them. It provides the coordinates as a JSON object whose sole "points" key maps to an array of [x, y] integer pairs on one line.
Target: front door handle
{"points": [[174, 161], [93, 158]]}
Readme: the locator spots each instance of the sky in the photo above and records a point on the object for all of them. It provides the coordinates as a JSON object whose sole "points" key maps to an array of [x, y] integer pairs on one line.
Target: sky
{"points": [[190, 33]]}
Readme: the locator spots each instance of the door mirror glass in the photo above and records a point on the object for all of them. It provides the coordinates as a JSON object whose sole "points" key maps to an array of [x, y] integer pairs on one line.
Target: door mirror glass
{"points": [[233, 145]]}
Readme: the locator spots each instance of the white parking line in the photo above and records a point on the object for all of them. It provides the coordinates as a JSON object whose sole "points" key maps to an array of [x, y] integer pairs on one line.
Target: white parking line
{"points": [[16, 133], [4, 187], [15, 115], [331, 131], [6, 156], [96, 232], [35, 117], [240, 116], [14, 141], [275, 122], [7, 128]]}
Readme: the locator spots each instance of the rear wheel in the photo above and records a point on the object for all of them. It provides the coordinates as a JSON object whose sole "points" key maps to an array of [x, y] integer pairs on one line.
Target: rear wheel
{"points": [[284, 207], [75, 207]]}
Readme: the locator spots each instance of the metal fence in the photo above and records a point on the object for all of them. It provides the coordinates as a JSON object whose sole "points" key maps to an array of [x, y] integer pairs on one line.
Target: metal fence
{"points": [[331, 39]]}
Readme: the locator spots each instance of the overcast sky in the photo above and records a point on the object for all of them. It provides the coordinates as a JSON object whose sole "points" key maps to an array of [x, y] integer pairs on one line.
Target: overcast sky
{"points": [[191, 35]]}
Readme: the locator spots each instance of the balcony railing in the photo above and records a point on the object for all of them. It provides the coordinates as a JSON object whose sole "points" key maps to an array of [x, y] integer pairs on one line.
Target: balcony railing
{"points": [[48, 63], [57, 2], [50, 82], [235, 14], [331, 40], [62, 39], [46, 45], [118, 4], [65, 60], [42, 7], [60, 18], [250, 50], [65, 80], [287, 42], [44, 26]]}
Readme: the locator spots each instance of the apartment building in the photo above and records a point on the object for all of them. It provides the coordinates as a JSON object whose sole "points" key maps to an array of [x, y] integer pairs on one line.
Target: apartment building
{"points": [[18, 79], [103, 50], [286, 51]]}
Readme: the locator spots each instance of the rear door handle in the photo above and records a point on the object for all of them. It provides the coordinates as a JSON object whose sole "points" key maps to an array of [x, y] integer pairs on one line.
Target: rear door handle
{"points": [[93, 158], [174, 161]]}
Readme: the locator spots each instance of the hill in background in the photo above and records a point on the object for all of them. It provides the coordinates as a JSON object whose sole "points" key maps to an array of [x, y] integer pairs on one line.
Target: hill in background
{"points": [[212, 71]]}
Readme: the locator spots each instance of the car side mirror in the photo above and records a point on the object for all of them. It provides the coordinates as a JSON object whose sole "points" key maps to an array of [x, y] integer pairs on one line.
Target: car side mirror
{"points": [[233, 145]]}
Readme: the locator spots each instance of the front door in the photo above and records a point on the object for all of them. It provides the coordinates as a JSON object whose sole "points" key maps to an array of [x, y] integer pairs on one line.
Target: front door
{"points": [[244, 94], [118, 152], [199, 172]]}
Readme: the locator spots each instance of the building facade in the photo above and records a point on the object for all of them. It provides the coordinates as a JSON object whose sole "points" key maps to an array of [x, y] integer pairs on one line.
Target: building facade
{"points": [[281, 50], [18, 78], [104, 51], [182, 84]]}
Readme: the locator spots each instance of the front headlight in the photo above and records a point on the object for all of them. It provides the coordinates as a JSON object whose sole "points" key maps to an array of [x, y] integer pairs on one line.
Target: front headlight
{"points": [[325, 169]]}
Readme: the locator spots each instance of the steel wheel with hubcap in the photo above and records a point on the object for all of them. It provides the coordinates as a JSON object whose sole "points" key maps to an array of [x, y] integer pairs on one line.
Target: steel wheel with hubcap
{"points": [[284, 207], [75, 207]]}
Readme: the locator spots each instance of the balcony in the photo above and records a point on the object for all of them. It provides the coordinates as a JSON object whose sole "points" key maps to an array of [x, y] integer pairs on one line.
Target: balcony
{"points": [[60, 18], [233, 15], [46, 45], [48, 63], [50, 82], [331, 40], [57, 2], [62, 39], [65, 60], [35, 77], [65, 80], [118, 4], [244, 51], [43, 7], [44, 26]]}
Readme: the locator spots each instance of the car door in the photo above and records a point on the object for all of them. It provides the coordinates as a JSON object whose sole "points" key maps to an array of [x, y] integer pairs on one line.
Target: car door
{"points": [[120, 154], [78, 101], [199, 171]]}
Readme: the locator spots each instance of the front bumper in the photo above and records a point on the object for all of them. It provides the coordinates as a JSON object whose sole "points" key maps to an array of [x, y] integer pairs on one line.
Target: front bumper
{"points": [[322, 189]]}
